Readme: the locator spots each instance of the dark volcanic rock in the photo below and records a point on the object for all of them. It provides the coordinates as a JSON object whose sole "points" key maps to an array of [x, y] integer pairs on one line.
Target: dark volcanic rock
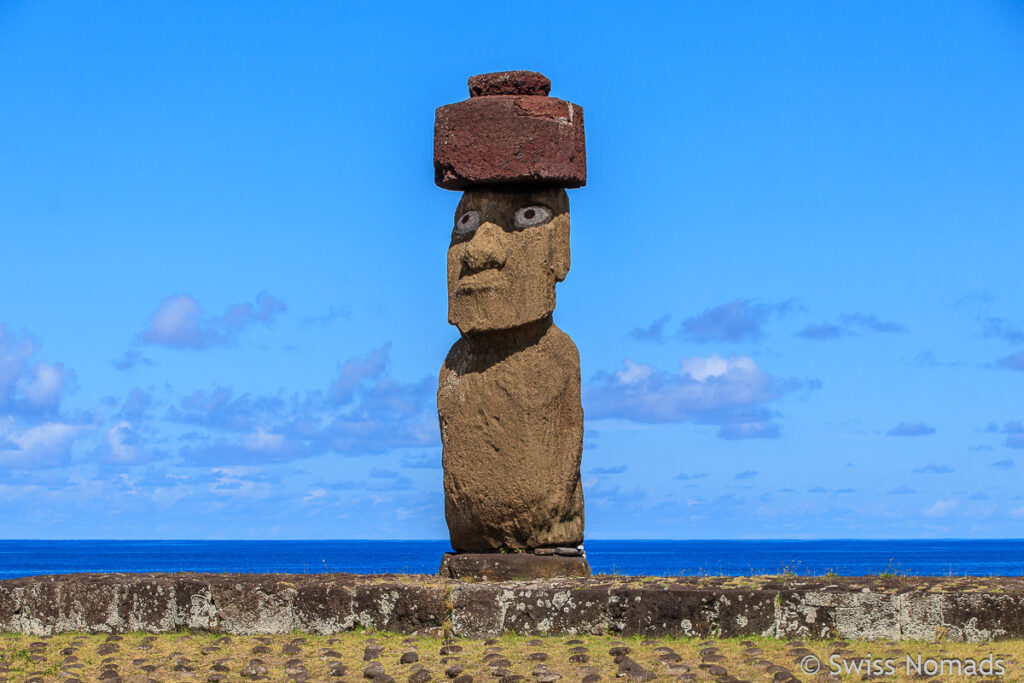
{"points": [[505, 567], [509, 83], [509, 132], [419, 676]]}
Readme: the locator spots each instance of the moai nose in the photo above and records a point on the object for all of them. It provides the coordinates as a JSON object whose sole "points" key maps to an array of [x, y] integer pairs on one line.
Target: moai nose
{"points": [[485, 250]]}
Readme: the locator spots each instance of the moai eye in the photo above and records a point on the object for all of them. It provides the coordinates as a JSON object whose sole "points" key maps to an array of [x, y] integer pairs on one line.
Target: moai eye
{"points": [[529, 216], [467, 222]]}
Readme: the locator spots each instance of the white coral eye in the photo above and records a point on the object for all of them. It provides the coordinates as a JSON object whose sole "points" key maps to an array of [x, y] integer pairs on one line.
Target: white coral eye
{"points": [[467, 222], [529, 216]]}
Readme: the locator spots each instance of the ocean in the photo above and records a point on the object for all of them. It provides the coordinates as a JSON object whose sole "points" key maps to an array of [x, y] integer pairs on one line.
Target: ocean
{"points": [[659, 558]]}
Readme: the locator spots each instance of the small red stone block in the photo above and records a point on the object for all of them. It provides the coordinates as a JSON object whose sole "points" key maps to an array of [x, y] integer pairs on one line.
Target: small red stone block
{"points": [[509, 83]]}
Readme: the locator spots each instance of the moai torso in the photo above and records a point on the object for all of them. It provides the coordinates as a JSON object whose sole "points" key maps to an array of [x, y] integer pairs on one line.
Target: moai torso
{"points": [[512, 429], [508, 398]]}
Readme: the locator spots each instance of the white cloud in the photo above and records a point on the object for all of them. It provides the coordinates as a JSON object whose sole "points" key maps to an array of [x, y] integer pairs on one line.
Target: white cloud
{"points": [[633, 372], [121, 442], [44, 384], [263, 441], [941, 508], [25, 387], [169, 495], [314, 495], [44, 445], [175, 323], [179, 322], [730, 392], [714, 365]]}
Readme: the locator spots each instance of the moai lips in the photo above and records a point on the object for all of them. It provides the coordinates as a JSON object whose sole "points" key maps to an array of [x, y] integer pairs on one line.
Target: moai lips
{"points": [[509, 132], [508, 398]]}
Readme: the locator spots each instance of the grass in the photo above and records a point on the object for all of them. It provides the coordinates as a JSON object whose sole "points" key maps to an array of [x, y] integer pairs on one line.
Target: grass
{"points": [[202, 656]]}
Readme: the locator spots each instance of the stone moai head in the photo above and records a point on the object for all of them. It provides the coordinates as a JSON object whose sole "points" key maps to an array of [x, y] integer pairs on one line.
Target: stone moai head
{"points": [[513, 150], [508, 250]]}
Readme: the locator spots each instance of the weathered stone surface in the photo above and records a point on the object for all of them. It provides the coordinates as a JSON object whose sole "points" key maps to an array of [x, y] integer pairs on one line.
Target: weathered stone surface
{"points": [[662, 610], [509, 391], [510, 566], [509, 83], [919, 608], [399, 606], [512, 429], [509, 133], [502, 270]]}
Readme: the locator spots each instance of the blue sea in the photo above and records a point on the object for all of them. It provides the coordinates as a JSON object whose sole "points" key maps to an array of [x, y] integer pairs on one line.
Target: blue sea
{"points": [[659, 558]]}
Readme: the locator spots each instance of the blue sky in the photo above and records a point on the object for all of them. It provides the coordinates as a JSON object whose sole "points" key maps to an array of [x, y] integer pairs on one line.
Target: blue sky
{"points": [[796, 282]]}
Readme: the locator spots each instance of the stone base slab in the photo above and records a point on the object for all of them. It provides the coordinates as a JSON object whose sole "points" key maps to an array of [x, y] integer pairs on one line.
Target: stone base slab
{"points": [[512, 566], [862, 608]]}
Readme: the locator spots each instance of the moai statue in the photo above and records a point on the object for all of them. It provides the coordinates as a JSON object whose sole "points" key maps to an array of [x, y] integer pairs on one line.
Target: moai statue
{"points": [[509, 392]]}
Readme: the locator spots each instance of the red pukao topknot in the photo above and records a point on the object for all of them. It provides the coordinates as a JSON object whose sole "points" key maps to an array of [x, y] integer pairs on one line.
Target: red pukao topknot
{"points": [[509, 132]]}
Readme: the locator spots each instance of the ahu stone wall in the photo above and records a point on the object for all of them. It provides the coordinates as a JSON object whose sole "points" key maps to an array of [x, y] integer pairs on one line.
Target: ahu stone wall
{"points": [[896, 608]]}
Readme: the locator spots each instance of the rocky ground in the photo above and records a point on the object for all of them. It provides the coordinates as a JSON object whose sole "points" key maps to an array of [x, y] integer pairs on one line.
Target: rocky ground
{"points": [[392, 658]]}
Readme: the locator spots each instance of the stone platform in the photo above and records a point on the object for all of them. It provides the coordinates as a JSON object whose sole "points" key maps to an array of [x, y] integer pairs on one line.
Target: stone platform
{"points": [[499, 567], [889, 608]]}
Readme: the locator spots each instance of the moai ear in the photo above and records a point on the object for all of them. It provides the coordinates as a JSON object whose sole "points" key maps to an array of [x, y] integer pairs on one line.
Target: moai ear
{"points": [[560, 258]]}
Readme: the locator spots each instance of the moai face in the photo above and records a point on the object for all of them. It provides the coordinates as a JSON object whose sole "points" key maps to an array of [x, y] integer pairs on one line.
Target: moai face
{"points": [[508, 250]]}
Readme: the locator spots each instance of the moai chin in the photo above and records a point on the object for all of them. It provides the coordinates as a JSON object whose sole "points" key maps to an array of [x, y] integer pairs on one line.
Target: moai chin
{"points": [[508, 399]]}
